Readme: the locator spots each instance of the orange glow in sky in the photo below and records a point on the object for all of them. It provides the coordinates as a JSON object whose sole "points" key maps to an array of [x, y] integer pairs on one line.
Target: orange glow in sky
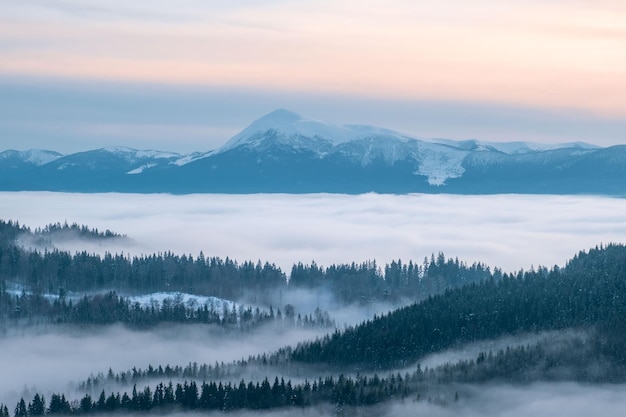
{"points": [[550, 54]]}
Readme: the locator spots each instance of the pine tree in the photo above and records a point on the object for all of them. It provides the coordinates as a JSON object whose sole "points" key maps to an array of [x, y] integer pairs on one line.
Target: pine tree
{"points": [[86, 404], [101, 401], [20, 409], [59, 405], [37, 407]]}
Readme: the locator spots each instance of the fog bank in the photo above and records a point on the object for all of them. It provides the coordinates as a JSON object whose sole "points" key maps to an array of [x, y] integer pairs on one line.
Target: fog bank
{"points": [[508, 231], [49, 360]]}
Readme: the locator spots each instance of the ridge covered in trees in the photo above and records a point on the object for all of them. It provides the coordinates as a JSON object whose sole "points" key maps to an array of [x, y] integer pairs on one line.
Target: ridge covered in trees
{"points": [[589, 291], [109, 308], [584, 361], [54, 271]]}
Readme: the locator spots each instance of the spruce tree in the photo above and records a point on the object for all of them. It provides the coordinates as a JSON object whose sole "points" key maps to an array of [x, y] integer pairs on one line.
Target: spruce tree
{"points": [[20, 409]]}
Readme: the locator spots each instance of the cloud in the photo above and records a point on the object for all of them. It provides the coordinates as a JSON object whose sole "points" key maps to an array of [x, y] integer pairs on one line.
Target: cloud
{"points": [[557, 400], [507, 52], [52, 359], [511, 231], [558, 340], [506, 231]]}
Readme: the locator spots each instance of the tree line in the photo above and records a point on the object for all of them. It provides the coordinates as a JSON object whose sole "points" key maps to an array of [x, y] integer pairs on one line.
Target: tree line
{"points": [[109, 308], [582, 361], [54, 272], [589, 291]]}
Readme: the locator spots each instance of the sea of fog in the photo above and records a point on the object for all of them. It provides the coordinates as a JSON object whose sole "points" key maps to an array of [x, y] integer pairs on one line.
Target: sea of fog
{"points": [[506, 231]]}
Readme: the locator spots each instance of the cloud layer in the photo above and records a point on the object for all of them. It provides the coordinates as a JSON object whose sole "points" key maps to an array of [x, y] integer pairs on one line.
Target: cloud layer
{"points": [[50, 359], [510, 231], [506, 231]]}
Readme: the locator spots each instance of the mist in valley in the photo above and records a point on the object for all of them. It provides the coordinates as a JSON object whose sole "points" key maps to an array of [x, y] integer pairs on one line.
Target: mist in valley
{"points": [[508, 231], [57, 358], [504, 400]]}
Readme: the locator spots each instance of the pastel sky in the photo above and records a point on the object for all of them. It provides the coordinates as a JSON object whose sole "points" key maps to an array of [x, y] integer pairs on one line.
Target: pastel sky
{"points": [[187, 75]]}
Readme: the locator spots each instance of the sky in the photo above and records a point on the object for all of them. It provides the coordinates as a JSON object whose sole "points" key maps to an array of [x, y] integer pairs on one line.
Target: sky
{"points": [[186, 76]]}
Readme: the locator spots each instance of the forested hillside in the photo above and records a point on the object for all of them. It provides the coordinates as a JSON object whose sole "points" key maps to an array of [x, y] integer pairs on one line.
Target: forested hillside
{"points": [[109, 308], [52, 271], [586, 300], [575, 314], [589, 292]]}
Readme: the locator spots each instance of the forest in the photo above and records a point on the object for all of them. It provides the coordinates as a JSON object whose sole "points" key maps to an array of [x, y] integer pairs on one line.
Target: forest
{"points": [[54, 272], [442, 304]]}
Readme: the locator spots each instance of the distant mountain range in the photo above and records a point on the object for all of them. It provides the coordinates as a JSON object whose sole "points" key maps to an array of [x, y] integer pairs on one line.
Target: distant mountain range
{"points": [[285, 152]]}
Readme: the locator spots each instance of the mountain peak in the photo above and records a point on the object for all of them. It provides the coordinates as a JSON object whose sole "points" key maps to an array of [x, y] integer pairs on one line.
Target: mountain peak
{"points": [[298, 131], [33, 156], [280, 119], [280, 116], [285, 123]]}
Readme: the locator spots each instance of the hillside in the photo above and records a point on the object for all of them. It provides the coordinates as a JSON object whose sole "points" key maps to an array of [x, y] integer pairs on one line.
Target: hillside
{"points": [[576, 313], [590, 292]]}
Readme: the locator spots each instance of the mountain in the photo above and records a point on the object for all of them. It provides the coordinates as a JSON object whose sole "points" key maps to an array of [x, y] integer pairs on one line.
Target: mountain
{"points": [[105, 169], [286, 152]]}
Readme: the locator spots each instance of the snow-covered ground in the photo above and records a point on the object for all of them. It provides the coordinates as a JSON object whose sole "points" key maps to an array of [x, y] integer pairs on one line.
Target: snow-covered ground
{"points": [[156, 299], [189, 300]]}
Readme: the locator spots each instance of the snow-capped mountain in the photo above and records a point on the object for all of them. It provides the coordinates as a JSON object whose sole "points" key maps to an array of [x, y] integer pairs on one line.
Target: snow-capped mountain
{"points": [[35, 157], [282, 127], [114, 157], [286, 152]]}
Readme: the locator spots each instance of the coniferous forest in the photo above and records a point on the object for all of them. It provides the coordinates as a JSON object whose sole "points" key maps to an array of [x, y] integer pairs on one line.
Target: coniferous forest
{"points": [[545, 324]]}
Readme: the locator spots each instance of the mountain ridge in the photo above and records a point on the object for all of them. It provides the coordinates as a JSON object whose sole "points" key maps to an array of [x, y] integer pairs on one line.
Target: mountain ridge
{"points": [[286, 152]]}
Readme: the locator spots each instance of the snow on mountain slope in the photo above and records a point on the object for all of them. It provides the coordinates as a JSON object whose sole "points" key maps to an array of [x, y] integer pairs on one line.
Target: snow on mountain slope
{"points": [[291, 129], [115, 159], [360, 143], [131, 154], [388, 148], [437, 159], [141, 168], [192, 157], [285, 151], [511, 148], [36, 157], [440, 163]]}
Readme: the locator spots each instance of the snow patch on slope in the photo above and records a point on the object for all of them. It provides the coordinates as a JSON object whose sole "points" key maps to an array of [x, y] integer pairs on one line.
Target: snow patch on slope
{"points": [[511, 148], [40, 157], [157, 299], [37, 157], [191, 158], [131, 154], [440, 163], [219, 305], [140, 169]]}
